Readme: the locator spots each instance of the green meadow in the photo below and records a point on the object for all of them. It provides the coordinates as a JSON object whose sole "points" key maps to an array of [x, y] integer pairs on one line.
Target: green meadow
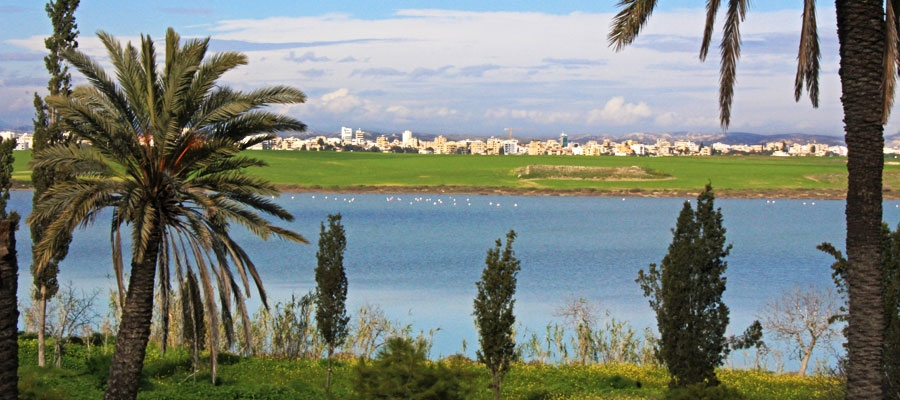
{"points": [[83, 375], [742, 176]]}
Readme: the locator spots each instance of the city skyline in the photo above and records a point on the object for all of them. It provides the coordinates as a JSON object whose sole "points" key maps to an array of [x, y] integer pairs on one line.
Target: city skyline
{"points": [[467, 67]]}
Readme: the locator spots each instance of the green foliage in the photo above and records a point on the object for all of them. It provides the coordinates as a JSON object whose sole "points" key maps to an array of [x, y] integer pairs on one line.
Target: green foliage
{"points": [[493, 310], [6, 170], [293, 331], [331, 288], [331, 283], [890, 266], [401, 371], [266, 378], [686, 294]]}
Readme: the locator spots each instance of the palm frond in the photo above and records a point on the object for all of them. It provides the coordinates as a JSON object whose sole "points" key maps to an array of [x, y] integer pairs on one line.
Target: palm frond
{"points": [[808, 56], [712, 8], [730, 50], [891, 58], [629, 22]]}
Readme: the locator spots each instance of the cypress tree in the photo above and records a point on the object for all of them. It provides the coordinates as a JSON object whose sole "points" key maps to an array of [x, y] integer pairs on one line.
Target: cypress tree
{"points": [[686, 292], [9, 273], [331, 288], [48, 131], [493, 312]]}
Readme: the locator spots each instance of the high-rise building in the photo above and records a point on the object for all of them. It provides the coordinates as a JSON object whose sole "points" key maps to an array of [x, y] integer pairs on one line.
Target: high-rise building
{"points": [[360, 137], [564, 140], [407, 138], [346, 134]]}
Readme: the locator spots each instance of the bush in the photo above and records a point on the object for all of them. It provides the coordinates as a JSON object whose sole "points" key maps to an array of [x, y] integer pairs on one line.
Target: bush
{"points": [[401, 370], [700, 391]]}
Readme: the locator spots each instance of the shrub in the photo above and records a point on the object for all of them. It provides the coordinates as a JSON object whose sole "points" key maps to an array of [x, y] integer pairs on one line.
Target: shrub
{"points": [[701, 391], [401, 370]]}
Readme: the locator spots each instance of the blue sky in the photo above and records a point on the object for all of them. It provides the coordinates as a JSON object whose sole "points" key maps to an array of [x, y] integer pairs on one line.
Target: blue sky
{"points": [[465, 67]]}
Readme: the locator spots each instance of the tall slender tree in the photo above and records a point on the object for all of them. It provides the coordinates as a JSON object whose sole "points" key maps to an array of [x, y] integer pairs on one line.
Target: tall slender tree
{"points": [[48, 132], [686, 294], [869, 58], [494, 317], [163, 152], [9, 274], [331, 288]]}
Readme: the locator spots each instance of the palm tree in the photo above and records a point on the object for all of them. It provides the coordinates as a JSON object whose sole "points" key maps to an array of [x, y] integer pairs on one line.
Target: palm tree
{"points": [[162, 150], [867, 34]]}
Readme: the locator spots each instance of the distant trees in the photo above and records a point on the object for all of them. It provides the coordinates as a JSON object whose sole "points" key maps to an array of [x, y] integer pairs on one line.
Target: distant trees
{"points": [[331, 288], [494, 316], [686, 291]]}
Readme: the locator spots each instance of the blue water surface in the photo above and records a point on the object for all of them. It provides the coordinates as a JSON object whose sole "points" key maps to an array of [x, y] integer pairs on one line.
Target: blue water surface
{"points": [[418, 256]]}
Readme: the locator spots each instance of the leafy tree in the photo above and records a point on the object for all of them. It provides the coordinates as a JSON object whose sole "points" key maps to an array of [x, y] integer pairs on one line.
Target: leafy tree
{"points": [[401, 371], [686, 294], [163, 151], [869, 58], [48, 131], [9, 273], [331, 288], [494, 316], [890, 261]]}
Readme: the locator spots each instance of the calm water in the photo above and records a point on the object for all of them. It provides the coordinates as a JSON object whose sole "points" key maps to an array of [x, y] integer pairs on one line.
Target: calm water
{"points": [[418, 256]]}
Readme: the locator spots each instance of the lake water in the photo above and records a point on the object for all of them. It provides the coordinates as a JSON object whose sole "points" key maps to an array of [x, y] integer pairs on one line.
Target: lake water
{"points": [[418, 256]]}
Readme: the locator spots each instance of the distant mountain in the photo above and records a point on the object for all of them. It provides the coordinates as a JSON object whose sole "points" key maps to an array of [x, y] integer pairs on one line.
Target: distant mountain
{"points": [[892, 140], [726, 138]]}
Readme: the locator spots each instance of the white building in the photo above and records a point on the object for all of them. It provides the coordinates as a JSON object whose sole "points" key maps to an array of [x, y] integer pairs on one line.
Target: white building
{"points": [[407, 138], [346, 134]]}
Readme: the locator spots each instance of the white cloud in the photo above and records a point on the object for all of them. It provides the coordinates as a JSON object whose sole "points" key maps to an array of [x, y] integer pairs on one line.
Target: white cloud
{"points": [[618, 112], [338, 102], [470, 70]]}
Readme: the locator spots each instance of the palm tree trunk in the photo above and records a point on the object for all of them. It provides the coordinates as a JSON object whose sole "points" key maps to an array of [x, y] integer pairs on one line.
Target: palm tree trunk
{"points": [[42, 326], [134, 329], [861, 33], [9, 312]]}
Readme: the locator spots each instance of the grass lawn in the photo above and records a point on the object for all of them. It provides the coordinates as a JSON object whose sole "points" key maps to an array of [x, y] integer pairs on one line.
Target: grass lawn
{"points": [[738, 176]]}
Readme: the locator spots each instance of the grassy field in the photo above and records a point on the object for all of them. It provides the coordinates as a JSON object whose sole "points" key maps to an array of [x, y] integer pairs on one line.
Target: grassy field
{"points": [[736, 176], [83, 375]]}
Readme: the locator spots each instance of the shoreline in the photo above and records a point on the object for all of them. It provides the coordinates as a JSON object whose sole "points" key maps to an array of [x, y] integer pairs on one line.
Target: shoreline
{"points": [[799, 194], [806, 194]]}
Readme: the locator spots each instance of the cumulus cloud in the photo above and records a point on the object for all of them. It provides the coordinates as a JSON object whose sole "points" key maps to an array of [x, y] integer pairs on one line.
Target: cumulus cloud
{"points": [[618, 112], [339, 102]]}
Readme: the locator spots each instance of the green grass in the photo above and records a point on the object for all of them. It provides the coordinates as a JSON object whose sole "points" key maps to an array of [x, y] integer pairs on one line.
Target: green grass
{"points": [[328, 169], [346, 171], [170, 377]]}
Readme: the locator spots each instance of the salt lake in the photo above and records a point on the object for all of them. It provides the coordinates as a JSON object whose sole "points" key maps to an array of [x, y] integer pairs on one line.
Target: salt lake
{"points": [[418, 256]]}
